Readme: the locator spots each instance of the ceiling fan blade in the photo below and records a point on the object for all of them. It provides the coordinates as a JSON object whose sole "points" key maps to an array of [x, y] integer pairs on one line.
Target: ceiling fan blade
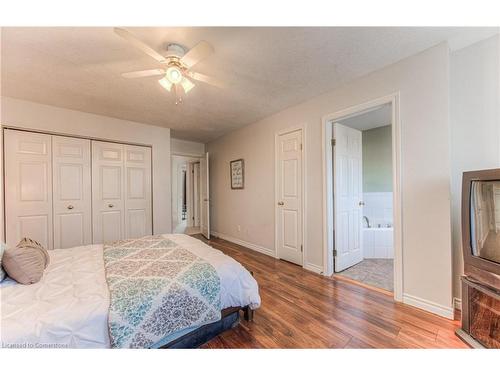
{"points": [[139, 44], [143, 73], [207, 79], [197, 53]]}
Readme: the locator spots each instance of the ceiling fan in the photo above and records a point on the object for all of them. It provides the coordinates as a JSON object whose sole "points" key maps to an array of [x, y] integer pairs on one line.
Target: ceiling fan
{"points": [[177, 64]]}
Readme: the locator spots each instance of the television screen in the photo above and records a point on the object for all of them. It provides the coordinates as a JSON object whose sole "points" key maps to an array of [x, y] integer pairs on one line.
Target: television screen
{"points": [[485, 219]]}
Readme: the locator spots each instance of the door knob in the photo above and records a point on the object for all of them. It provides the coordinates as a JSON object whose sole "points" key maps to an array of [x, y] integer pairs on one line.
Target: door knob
{"points": [[111, 205], [281, 203], [361, 203], [70, 207]]}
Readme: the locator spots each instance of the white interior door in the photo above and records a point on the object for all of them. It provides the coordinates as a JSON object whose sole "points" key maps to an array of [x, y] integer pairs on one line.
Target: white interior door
{"points": [[138, 218], [196, 194], [71, 192], [28, 187], [289, 195], [205, 196], [108, 204], [348, 196]]}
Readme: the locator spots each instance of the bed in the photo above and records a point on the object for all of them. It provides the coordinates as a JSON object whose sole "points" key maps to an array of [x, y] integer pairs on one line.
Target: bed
{"points": [[71, 307]]}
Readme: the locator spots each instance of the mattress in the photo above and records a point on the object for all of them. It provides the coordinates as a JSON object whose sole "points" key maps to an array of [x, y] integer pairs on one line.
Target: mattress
{"points": [[68, 308]]}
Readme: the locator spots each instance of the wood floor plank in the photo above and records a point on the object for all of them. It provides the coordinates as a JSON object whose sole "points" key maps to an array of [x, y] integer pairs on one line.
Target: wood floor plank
{"points": [[301, 309]]}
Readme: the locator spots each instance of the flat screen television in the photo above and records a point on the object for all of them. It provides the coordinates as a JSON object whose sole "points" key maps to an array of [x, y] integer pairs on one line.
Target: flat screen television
{"points": [[481, 225]]}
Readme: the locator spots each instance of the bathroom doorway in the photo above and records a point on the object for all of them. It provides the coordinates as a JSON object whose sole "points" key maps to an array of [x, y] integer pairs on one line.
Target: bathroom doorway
{"points": [[362, 216], [186, 195]]}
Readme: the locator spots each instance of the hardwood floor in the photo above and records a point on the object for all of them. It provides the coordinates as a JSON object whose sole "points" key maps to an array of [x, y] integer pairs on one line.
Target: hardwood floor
{"points": [[301, 309]]}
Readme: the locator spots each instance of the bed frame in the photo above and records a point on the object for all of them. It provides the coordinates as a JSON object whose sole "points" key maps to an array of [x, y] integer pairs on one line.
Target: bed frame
{"points": [[230, 318]]}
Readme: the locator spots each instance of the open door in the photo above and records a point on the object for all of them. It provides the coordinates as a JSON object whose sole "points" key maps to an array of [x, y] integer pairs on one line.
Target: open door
{"points": [[348, 196], [205, 197]]}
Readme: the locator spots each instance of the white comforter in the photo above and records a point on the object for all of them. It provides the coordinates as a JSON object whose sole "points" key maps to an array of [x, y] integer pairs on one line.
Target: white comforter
{"points": [[69, 306]]}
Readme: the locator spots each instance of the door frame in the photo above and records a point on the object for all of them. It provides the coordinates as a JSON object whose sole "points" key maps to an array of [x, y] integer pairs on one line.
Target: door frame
{"points": [[327, 158], [187, 155], [277, 134]]}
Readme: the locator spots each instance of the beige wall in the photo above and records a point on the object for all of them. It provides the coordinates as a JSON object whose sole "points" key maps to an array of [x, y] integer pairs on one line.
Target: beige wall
{"points": [[423, 83], [377, 159], [186, 148], [475, 125], [29, 115]]}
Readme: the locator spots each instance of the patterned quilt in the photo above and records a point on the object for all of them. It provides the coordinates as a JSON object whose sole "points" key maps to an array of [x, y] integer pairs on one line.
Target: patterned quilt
{"points": [[157, 288]]}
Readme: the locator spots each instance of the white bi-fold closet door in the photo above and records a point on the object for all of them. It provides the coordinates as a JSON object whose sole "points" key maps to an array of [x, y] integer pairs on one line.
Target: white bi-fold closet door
{"points": [[121, 191], [66, 191], [71, 184], [28, 187]]}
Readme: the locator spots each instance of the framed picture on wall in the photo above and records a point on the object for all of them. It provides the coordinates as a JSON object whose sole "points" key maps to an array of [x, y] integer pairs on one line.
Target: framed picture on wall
{"points": [[237, 174]]}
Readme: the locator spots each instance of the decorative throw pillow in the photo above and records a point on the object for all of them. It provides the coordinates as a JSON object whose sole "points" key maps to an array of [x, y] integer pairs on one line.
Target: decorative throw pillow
{"points": [[28, 242], [2, 272], [26, 262]]}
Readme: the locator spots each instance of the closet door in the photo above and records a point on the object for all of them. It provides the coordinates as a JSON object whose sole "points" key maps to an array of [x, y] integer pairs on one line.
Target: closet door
{"points": [[72, 192], [138, 215], [28, 187], [108, 204]]}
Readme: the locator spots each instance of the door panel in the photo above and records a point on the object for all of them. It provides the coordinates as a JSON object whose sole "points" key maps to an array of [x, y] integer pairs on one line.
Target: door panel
{"points": [[36, 227], [108, 203], [138, 218], [348, 195], [111, 225], [205, 196], [72, 192], [28, 187], [111, 181], [289, 194]]}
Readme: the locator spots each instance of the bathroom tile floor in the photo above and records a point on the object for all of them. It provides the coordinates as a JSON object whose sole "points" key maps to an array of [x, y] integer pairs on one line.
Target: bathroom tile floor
{"points": [[374, 272]]}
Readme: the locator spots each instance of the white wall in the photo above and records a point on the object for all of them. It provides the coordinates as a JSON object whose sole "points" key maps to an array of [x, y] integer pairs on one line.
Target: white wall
{"points": [[34, 116], [475, 125], [186, 148], [423, 83]]}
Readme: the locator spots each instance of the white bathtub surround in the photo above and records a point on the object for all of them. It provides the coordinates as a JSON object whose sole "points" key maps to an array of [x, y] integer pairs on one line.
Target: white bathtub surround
{"points": [[378, 209], [378, 243], [378, 240]]}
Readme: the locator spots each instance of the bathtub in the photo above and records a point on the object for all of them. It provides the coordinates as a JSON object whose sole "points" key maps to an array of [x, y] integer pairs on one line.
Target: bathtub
{"points": [[378, 242]]}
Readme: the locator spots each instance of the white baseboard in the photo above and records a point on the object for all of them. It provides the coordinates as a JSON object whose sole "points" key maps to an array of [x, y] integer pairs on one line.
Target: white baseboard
{"points": [[444, 311], [314, 268], [457, 303], [251, 246]]}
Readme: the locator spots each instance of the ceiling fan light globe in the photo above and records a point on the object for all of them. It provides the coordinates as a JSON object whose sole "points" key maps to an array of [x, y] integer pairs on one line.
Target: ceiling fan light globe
{"points": [[165, 83], [186, 84], [174, 75]]}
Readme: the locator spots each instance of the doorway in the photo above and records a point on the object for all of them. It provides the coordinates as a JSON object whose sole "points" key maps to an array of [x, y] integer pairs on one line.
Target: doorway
{"points": [[186, 195], [362, 196]]}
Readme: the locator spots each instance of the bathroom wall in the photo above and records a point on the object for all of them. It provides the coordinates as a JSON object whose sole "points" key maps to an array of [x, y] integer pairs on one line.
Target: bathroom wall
{"points": [[378, 208], [377, 159]]}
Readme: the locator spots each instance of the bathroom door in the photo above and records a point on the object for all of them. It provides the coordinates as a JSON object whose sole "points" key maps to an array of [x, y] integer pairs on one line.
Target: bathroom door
{"points": [[348, 193]]}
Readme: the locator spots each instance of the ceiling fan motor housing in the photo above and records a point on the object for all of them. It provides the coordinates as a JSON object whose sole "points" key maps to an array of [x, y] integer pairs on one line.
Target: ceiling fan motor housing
{"points": [[175, 50]]}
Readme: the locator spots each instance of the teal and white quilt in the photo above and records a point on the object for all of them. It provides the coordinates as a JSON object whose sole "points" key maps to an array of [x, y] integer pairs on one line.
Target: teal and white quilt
{"points": [[157, 288]]}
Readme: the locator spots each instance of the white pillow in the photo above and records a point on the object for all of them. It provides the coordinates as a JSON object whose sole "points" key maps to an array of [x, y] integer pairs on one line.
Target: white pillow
{"points": [[3, 247]]}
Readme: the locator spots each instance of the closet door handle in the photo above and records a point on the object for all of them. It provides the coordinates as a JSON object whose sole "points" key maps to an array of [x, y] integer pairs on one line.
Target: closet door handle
{"points": [[281, 203], [70, 207], [111, 205]]}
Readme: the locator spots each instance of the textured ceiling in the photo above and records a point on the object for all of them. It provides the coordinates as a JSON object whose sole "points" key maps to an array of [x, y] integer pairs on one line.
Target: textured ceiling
{"points": [[265, 70]]}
